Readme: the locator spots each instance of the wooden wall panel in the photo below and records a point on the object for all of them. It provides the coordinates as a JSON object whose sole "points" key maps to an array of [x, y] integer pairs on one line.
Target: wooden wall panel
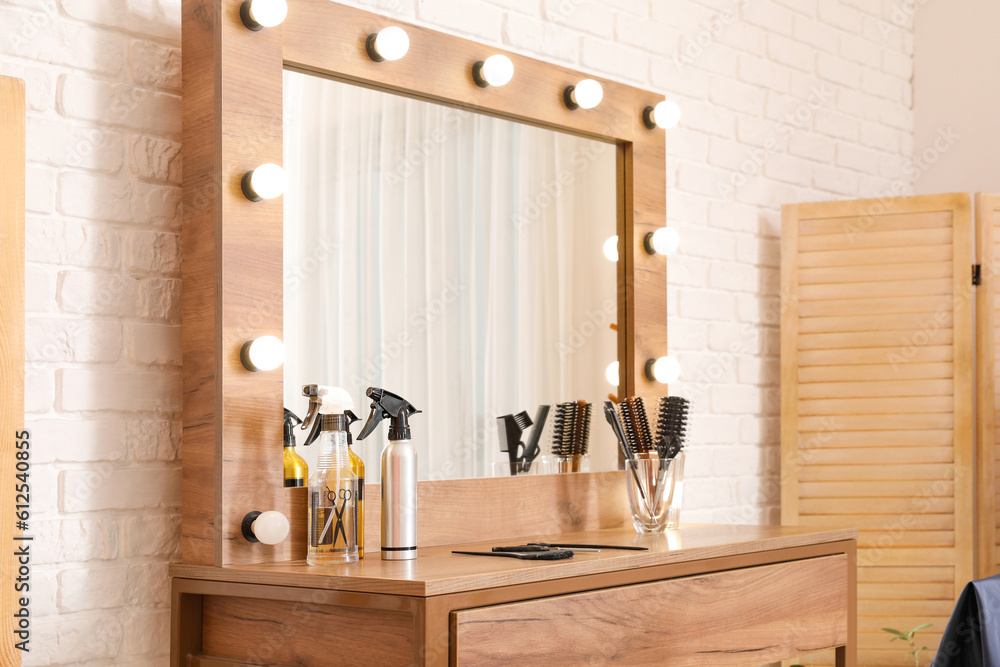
{"points": [[877, 398], [12, 154]]}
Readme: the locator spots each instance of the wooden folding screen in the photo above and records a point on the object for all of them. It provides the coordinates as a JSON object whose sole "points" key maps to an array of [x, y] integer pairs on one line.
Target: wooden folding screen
{"points": [[878, 396], [988, 253]]}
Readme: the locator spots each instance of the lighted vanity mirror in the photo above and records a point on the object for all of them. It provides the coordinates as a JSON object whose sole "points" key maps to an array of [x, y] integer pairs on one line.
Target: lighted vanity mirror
{"points": [[454, 258]]}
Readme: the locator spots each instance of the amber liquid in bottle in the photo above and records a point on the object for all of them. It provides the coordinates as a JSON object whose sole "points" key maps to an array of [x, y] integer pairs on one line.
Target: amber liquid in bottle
{"points": [[296, 469], [358, 467]]}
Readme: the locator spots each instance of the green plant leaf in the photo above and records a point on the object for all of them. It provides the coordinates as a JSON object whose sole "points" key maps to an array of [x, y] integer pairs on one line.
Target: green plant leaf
{"points": [[922, 626], [898, 634]]}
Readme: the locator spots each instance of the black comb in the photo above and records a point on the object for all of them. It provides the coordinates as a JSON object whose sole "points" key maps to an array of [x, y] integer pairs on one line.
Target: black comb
{"points": [[529, 555]]}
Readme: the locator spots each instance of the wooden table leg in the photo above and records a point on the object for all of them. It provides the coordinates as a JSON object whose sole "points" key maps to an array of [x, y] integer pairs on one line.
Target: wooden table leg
{"points": [[185, 627], [844, 659], [436, 635], [847, 656]]}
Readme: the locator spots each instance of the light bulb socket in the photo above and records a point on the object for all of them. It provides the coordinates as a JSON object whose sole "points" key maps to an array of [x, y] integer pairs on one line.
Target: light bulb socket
{"points": [[649, 117], [648, 370], [477, 74], [247, 526], [247, 18], [647, 244], [247, 187], [370, 48], [568, 98], [245, 357]]}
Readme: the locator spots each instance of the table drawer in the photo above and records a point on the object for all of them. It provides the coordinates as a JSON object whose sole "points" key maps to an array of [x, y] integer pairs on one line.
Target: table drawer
{"points": [[737, 617]]}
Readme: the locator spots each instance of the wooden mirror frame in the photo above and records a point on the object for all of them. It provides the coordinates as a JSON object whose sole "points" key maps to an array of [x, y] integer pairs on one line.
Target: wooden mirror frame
{"points": [[232, 247]]}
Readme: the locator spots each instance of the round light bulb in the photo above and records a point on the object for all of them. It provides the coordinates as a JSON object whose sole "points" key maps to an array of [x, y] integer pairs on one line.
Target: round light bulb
{"points": [[663, 241], [497, 70], [611, 373], [263, 354], [664, 369], [390, 43], [265, 182], [264, 13], [611, 248], [587, 94], [666, 114], [271, 527]]}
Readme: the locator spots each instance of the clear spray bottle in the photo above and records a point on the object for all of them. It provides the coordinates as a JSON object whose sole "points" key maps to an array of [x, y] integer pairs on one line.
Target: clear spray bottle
{"points": [[333, 519]]}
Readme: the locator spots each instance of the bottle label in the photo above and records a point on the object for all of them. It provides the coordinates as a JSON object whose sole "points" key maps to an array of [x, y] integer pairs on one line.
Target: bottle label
{"points": [[334, 520], [361, 489]]}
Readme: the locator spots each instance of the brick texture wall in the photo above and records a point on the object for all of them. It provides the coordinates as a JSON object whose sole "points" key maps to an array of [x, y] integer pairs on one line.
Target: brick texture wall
{"points": [[784, 100]]}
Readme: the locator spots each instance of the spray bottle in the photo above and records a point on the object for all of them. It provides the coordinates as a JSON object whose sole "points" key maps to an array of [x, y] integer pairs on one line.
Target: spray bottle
{"points": [[296, 469], [399, 474], [332, 524], [358, 466]]}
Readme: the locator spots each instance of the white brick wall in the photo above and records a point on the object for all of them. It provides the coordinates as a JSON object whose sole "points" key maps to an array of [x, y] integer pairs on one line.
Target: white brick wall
{"points": [[784, 100], [103, 376]]}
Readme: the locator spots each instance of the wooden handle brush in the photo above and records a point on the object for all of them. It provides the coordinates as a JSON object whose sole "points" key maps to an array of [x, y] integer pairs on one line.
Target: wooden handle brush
{"points": [[571, 434]]}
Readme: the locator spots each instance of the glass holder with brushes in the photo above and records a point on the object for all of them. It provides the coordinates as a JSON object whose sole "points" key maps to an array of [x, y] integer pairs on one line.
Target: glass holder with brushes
{"points": [[654, 466]]}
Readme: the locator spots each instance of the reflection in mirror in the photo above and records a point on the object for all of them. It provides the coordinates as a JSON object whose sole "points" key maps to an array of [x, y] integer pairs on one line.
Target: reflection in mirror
{"points": [[450, 257]]}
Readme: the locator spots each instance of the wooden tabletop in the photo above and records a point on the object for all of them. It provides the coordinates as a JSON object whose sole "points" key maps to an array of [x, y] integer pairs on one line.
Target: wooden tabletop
{"points": [[437, 571]]}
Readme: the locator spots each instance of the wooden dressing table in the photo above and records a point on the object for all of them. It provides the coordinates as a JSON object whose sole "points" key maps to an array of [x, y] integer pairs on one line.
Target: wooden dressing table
{"points": [[702, 595]]}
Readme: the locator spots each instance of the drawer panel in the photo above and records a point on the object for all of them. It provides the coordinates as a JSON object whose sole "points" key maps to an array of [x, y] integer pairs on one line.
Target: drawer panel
{"points": [[277, 632], [738, 617]]}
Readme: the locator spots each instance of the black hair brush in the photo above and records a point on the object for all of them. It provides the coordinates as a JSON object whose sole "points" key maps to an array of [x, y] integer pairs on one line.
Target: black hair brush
{"points": [[671, 426], [671, 429], [571, 434]]}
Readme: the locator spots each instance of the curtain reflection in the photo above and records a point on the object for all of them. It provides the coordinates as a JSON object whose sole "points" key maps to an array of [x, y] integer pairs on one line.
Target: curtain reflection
{"points": [[449, 257]]}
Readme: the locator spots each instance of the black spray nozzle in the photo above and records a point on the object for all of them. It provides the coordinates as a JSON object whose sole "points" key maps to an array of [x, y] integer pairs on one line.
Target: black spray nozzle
{"points": [[351, 418], [291, 421], [386, 405]]}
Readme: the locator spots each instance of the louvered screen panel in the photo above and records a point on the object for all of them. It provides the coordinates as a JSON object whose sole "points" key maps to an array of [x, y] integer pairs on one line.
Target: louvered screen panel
{"points": [[987, 309], [877, 399]]}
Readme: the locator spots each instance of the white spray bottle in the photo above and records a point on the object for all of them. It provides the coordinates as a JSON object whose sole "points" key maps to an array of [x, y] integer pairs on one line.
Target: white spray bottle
{"points": [[334, 493]]}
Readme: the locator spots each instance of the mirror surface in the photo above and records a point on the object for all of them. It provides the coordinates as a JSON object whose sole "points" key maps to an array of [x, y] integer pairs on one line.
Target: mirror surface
{"points": [[450, 257]]}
